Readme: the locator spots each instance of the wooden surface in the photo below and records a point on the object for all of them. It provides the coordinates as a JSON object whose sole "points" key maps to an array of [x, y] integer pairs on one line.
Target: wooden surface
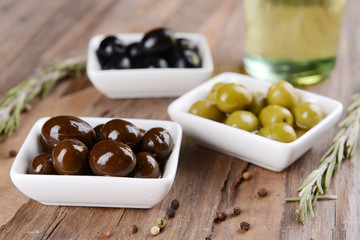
{"points": [[36, 33]]}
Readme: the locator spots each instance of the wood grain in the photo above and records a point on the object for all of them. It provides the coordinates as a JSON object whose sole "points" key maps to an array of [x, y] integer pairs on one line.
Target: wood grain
{"points": [[36, 33]]}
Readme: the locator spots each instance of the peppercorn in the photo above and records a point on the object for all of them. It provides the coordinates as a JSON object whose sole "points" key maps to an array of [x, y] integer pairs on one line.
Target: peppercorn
{"points": [[12, 153], [237, 211], [170, 213], [174, 204], [245, 226], [262, 192], [161, 223], [221, 215], [208, 238], [246, 175], [134, 229], [155, 230]]}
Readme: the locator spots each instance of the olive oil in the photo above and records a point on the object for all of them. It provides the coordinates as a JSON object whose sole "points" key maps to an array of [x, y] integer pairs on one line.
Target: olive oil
{"points": [[293, 40]]}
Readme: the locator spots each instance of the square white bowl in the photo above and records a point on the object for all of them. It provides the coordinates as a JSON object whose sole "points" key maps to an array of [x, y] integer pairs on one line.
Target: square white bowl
{"points": [[94, 191], [244, 145], [146, 82]]}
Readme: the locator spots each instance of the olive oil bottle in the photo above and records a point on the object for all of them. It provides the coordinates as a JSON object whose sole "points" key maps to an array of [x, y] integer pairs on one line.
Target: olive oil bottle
{"points": [[293, 40]]}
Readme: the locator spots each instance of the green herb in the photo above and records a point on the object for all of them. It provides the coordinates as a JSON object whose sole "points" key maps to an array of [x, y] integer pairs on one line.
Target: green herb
{"points": [[343, 147], [18, 98]]}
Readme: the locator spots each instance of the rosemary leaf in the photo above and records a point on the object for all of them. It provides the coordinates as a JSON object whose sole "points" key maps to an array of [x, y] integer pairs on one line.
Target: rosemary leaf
{"points": [[17, 99], [343, 147]]}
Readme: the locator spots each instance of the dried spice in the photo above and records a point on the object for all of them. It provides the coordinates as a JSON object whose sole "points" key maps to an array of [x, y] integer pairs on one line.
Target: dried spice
{"points": [[170, 213], [155, 230], [221, 215], [237, 211], [262, 192], [161, 223], [12, 153], [134, 229], [246, 175], [104, 236], [245, 226], [174, 204]]}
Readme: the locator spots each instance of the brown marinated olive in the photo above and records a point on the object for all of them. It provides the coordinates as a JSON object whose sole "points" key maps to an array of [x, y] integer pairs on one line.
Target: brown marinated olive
{"points": [[112, 158], [59, 128], [122, 131], [97, 132], [42, 164], [146, 166], [158, 142], [70, 157]]}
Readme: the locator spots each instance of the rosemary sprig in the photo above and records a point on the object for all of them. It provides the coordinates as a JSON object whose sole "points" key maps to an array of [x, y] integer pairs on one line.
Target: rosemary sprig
{"points": [[17, 99], [343, 147]]}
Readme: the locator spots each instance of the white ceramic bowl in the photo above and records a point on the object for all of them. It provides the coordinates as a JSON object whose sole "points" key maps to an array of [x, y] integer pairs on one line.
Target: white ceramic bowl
{"points": [[144, 83], [244, 145], [96, 191]]}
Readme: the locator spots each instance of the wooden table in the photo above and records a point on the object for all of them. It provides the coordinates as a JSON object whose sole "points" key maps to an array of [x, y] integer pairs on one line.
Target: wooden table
{"points": [[36, 33]]}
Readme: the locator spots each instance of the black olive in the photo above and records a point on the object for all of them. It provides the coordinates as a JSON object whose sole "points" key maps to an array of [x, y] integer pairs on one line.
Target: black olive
{"points": [[176, 59], [192, 59], [109, 46], [134, 50], [158, 41], [184, 58], [183, 43], [154, 62], [118, 62]]}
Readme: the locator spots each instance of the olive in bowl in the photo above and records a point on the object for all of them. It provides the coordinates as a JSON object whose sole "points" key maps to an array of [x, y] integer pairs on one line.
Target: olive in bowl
{"points": [[92, 190], [112, 158], [167, 73], [60, 128], [250, 146]]}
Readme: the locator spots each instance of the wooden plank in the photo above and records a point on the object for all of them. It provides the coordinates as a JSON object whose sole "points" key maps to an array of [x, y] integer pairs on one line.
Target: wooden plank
{"points": [[41, 32]]}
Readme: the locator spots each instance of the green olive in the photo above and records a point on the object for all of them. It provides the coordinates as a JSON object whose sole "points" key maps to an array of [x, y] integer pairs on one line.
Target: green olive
{"points": [[282, 93], [299, 132], [275, 114], [233, 96], [307, 115], [280, 132], [244, 120], [212, 94], [259, 102], [207, 109]]}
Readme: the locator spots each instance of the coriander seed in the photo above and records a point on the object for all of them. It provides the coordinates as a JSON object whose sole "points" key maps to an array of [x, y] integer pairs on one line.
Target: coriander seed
{"points": [[221, 215], [170, 213], [246, 175], [161, 223], [245, 226], [262, 192], [155, 230], [134, 229], [174, 204], [237, 211]]}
